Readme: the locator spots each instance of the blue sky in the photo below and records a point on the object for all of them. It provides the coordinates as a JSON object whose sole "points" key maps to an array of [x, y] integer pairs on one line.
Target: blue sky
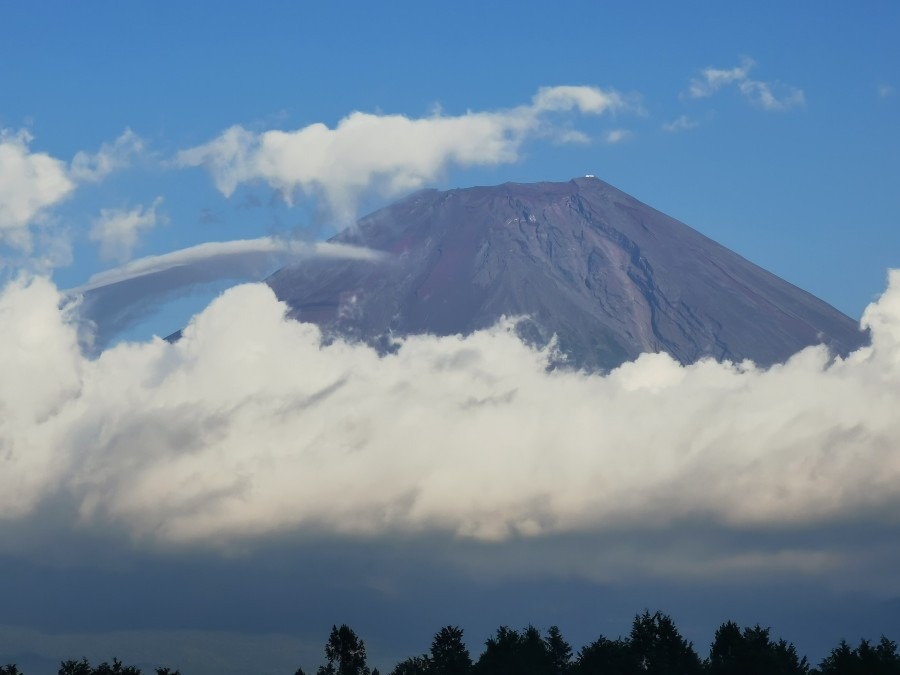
{"points": [[163, 490], [807, 192]]}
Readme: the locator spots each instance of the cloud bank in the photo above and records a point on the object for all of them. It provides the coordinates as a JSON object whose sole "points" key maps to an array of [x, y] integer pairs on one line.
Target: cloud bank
{"points": [[249, 428], [770, 96], [390, 154]]}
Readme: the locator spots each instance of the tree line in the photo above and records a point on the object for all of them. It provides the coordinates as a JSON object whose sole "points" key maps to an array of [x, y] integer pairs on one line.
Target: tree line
{"points": [[653, 647]]}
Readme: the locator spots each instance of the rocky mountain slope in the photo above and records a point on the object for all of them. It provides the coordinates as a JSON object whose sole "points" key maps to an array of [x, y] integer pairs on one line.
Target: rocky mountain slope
{"points": [[609, 275]]}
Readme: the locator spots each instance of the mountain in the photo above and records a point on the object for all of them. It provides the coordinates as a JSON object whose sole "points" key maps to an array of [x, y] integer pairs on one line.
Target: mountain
{"points": [[609, 275]]}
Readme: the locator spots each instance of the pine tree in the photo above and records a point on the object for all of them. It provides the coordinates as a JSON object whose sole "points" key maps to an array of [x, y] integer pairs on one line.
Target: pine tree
{"points": [[415, 665], [345, 653], [449, 655], [659, 647], [82, 667], [559, 651]]}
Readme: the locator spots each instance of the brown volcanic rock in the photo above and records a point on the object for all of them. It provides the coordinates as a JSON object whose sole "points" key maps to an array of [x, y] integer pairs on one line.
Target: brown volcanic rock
{"points": [[610, 276]]}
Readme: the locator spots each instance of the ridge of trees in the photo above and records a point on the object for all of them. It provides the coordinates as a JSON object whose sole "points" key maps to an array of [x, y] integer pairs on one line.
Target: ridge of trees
{"points": [[653, 647], [84, 667]]}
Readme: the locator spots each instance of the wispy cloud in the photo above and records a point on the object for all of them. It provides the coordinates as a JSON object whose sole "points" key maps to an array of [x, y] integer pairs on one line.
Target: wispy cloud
{"points": [[573, 136], [113, 300], [770, 96], [227, 253], [885, 90], [618, 136], [586, 100], [713, 79], [389, 154], [94, 167], [682, 123], [117, 230]]}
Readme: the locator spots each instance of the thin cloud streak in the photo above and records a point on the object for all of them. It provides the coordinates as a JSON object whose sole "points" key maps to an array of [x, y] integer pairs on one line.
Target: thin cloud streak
{"points": [[618, 136], [274, 250], [116, 299], [682, 123]]}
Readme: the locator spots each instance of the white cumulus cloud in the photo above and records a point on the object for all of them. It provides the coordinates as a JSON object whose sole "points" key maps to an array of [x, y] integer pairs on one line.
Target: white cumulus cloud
{"points": [[387, 153], [30, 183], [250, 428]]}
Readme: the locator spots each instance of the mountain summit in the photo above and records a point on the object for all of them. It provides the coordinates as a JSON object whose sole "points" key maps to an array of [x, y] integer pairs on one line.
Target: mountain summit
{"points": [[608, 275]]}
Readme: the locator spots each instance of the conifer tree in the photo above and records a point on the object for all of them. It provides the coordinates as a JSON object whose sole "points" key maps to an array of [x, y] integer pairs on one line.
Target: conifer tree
{"points": [[345, 653]]}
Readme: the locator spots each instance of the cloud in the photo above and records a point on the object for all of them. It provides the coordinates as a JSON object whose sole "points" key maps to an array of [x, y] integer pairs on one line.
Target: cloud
{"points": [[93, 168], [573, 136], [587, 100], [713, 79], [117, 230], [228, 255], [390, 154], [618, 135], [249, 428], [682, 123], [770, 96], [30, 183], [762, 95], [885, 90], [113, 300]]}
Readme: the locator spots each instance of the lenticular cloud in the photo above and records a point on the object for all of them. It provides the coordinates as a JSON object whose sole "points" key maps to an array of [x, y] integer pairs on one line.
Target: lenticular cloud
{"points": [[249, 428]]}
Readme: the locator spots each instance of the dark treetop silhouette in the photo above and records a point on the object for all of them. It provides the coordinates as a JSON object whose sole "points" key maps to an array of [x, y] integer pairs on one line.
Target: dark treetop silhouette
{"points": [[653, 647]]}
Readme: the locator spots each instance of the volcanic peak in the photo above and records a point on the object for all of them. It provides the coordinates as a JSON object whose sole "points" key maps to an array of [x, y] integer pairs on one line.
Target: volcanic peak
{"points": [[608, 275]]}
